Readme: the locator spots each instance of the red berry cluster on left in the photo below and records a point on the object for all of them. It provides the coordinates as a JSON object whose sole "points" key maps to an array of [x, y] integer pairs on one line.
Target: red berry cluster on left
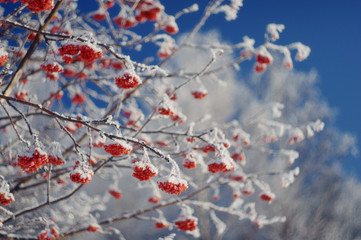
{"points": [[39, 5], [3, 56], [31, 161], [6, 197]]}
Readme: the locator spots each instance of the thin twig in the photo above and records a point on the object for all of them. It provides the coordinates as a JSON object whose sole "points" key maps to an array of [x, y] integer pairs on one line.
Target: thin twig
{"points": [[12, 123]]}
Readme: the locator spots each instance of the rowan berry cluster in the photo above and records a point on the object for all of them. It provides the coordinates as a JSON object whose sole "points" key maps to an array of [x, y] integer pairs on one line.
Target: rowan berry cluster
{"points": [[39, 5], [73, 51], [187, 224], [81, 173], [51, 67], [197, 94], [172, 184], [127, 80], [144, 171], [32, 160], [3, 57], [6, 197], [117, 147]]}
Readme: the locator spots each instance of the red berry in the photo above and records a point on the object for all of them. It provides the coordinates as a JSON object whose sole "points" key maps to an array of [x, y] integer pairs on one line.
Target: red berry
{"points": [[57, 96], [51, 67], [268, 197], [69, 72], [173, 96], [81, 76], [117, 65], [208, 148], [55, 160], [127, 80], [247, 192], [239, 157], [189, 164], [161, 225], [235, 196], [163, 54], [32, 160], [165, 111], [217, 167], [220, 164], [44, 236], [78, 98], [263, 59], [22, 95], [154, 200], [71, 49], [99, 16], [188, 224], [172, 184], [5, 196], [24, 81], [55, 232], [108, 4], [81, 173], [199, 94], [61, 181], [235, 177], [52, 76], [98, 142], [67, 59], [116, 194], [171, 29], [124, 22], [150, 14], [89, 52], [260, 67], [117, 148], [93, 228], [3, 58], [144, 171], [39, 5]]}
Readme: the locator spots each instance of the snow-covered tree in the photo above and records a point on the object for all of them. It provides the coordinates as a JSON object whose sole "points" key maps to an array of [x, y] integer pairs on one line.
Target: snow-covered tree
{"points": [[119, 118]]}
